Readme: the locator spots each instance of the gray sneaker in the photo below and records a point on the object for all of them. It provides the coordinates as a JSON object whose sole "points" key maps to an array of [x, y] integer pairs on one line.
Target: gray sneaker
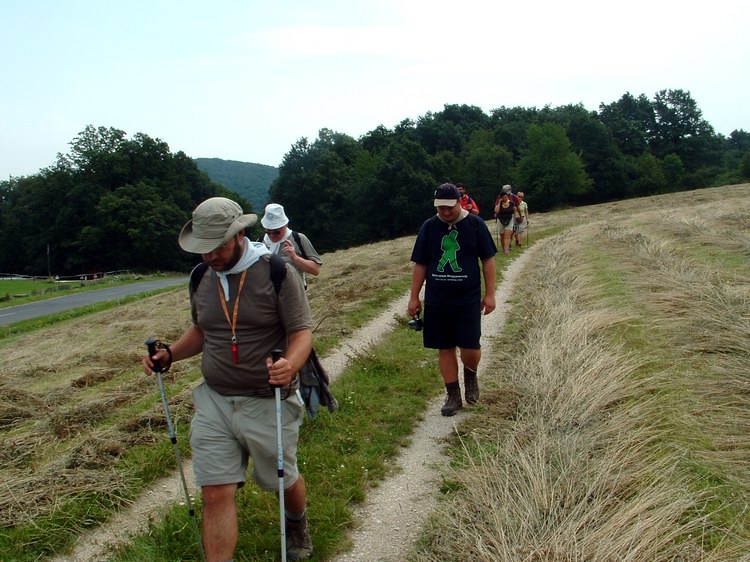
{"points": [[298, 542], [471, 387]]}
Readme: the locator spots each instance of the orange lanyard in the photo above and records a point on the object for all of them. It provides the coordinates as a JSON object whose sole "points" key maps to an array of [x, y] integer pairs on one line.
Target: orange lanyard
{"points": [[233, 321]]}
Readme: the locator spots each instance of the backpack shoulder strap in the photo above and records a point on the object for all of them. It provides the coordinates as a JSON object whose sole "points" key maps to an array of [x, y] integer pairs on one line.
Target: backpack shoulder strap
{"points": [[298, 240], [196, 275], [278, 271]]}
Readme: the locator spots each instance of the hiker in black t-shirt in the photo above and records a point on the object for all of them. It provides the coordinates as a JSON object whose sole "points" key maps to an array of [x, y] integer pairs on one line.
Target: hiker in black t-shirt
{"points": [[446, 255]]}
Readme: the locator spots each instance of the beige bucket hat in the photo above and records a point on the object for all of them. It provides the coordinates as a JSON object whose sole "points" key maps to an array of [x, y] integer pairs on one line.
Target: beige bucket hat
{"points": [[214, 222]]}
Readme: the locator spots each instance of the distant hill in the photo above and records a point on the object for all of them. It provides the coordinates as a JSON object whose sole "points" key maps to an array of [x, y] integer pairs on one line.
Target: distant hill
{"points": [[249, 180]]}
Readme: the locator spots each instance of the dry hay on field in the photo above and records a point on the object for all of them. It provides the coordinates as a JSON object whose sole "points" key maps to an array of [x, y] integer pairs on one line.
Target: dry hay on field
{"points": [[352, 277], [73, 401], [17, 405], [28, 495], [631, 434]]}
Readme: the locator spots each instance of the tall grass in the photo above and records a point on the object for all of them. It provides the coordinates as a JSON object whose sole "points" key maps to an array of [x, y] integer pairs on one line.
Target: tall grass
{"points": [[623, 384]]}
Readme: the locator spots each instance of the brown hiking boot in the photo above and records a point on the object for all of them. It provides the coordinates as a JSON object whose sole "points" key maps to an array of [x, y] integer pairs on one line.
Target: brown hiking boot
{"points": [[452, 402], [471, 387], [298, 542]]}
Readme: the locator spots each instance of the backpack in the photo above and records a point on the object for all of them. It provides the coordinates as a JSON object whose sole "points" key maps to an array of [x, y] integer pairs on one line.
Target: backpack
{"points": [[313, 378], [298, 240]]}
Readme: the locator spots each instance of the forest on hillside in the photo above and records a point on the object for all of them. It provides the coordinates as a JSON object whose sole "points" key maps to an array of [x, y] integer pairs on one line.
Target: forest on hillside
{"points": [[115, 203], [248, 179], [344, 192]]}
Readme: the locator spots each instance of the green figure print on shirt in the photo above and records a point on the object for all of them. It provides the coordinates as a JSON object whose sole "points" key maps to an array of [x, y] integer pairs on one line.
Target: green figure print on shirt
{"points": [[449, 245]]}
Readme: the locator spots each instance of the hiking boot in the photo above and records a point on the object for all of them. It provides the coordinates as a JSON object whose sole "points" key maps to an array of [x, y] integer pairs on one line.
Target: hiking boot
{"points": [[471, 387], [452, 402], [298, 542]]}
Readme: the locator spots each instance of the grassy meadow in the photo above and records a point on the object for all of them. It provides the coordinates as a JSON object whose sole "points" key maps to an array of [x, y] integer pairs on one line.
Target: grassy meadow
{"points": [[613, 425]]}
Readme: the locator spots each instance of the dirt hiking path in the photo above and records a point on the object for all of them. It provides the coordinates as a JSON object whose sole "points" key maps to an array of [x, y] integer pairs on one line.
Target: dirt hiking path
{"points": [[390, 519]]}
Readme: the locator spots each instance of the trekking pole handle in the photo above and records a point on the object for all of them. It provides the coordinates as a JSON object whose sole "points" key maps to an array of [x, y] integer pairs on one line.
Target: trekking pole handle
{"points": [[275, 356], [152, 344]]}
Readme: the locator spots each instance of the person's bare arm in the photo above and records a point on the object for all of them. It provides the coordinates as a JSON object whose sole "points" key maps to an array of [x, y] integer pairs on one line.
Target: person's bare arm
{"points": [[298, 350], [488, 271], [190, 343], [419, 274], [306, 265]]}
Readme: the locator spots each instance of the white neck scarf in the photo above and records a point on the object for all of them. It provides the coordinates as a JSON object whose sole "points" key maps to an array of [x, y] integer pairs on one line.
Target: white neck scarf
{"points": [[275, 246], [461, 216], [253, 252]]}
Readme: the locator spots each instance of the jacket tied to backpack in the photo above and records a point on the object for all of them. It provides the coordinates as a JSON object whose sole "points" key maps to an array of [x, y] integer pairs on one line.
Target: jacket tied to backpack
{"points": [[313, 386]]}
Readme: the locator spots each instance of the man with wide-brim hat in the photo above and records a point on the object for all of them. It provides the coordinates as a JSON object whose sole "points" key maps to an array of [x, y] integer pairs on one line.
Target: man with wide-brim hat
{"points": [[238, 317], [214, 222]]}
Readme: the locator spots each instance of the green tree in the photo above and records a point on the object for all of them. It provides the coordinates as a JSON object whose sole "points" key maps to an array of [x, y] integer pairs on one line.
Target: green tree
{"points": [[510, 126], [745, 165], [680, 129], [549, 172], [487, 167], [673, 172], [651, 179], [449, 129], [315, 185], [134, 228], [100, 205], [592, 141], [631, 122], [399, 197]]}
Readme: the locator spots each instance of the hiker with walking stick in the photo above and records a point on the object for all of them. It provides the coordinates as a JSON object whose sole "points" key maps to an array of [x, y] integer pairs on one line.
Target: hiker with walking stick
{"points": [[241, 311], [521, 219]]}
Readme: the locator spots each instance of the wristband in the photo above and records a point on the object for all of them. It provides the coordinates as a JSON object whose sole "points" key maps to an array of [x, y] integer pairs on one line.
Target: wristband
{"points": [[169, 352]]}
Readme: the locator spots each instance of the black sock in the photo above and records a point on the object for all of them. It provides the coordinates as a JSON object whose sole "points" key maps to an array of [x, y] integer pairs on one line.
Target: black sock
{"points": [[294, 516], [452, 386]]}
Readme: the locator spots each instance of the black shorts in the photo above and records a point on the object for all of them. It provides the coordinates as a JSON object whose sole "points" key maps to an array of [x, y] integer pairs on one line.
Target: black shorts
{"points": [[452, 326]]}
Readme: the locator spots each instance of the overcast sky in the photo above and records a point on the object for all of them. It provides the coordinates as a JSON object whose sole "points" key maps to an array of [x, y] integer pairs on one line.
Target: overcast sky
{"points": [[244, 80]]}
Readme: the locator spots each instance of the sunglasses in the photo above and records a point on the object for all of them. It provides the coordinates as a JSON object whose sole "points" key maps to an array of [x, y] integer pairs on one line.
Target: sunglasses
{"points": [[274, 232]]}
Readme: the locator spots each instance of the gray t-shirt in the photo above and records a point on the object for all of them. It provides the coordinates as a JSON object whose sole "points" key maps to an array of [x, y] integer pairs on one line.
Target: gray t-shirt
{"points": [[263, 321], [307, 251]]}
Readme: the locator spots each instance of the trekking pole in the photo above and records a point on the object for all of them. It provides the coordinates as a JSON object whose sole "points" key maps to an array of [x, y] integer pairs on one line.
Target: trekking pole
{"points": [[152, 343], [275, 356]]}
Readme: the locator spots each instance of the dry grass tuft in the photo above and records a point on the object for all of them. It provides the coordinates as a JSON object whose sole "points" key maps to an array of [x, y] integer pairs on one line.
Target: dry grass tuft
{"points": [[18, 405], [26, 496], [84, 416]]}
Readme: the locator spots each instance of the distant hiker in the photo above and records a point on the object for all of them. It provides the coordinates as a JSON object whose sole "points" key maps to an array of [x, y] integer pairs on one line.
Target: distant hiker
{"points": [[509, 190], [522, 219], [238, 318], [467, 202], [505, 213], [293, 246], [453, 301]]}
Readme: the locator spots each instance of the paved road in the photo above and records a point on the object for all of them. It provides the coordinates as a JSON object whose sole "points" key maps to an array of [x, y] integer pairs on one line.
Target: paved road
{"points": [[36, 309]]}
